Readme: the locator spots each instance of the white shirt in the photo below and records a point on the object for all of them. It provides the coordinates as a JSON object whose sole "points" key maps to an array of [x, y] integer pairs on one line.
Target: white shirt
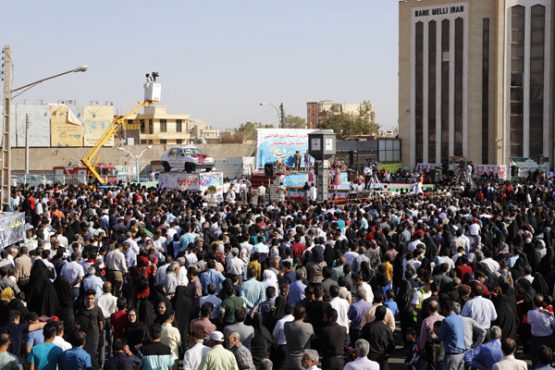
{"points": [[510, 363], [70, 272], [481, 310], [278, 333], [195, 356], [491, 264], [362, 363], [108, 304], [60, 342], [342, 307]]}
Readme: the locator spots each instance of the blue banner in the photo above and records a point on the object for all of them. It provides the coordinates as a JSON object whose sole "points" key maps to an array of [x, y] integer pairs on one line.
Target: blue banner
{"points": [[274, 144]]}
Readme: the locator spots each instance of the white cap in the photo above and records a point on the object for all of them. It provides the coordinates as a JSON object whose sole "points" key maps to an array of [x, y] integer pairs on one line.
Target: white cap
{"points": [[216, 336]]}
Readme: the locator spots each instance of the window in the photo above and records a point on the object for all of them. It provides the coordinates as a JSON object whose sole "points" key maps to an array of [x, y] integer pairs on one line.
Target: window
{"points": [[143, 141], [485, 91], [445, 90], [178, 126], [150, 128], [459, 62], [142, 124], [517, 77], [179, 141], [163, 125], [389, 151], [419, 91], [432, 57], [537, 56], [163, 141]]}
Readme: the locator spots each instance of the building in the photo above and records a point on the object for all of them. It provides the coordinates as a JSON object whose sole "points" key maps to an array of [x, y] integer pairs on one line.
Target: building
{"points": [[476, 80], [317, 112], [202, 132], [156, 126]]}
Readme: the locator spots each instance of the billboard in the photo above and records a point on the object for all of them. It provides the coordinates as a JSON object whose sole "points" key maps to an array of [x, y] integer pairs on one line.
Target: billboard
{"points": [[192, 181], [274, 144], [65, 128], [12, 228], [96, 120]]}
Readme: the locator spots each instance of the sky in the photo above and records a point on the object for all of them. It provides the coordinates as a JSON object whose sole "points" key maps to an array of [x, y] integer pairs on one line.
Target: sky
{"points": [[217, 59]]}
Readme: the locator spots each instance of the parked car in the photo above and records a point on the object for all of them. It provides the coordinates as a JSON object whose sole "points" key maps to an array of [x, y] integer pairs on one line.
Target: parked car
{"points": [[188, 158]]}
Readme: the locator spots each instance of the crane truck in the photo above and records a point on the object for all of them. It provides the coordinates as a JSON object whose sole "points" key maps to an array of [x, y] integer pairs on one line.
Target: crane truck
{"points": [[152, 95]]}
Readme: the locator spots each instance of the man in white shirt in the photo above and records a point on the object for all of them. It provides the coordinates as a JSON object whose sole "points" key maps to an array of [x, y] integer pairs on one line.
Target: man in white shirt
{"points": [[73, 273], [362, 362], [509, 362], [116, 266], [59, 340], [107, 302], [341, 306], [195, 356], [479, 308], [279, 334]]}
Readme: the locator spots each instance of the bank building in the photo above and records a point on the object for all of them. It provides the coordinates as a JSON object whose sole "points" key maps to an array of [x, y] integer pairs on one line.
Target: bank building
{"points": [[476, 81]]}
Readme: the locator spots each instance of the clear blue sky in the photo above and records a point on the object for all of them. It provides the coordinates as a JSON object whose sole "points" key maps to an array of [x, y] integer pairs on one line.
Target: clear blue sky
{"points": [[217, 58]]}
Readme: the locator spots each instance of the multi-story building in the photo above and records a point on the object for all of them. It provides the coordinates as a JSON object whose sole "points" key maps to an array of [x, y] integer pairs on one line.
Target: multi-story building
{"points": [[156, 126], [476, 80], [202, 132], [317, 112]]}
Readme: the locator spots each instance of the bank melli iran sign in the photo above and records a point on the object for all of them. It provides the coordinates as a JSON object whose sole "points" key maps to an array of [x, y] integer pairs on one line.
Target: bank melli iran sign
{"points": [[439, 11]]}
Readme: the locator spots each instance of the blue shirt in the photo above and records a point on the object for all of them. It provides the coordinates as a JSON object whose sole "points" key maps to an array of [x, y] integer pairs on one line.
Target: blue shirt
{"points": [[211, 277], [296, 292], [35, 337], [485, 355], [392, 305], [356, 313], [45, 356], [76, 359], [254, 293], [451, 333]]}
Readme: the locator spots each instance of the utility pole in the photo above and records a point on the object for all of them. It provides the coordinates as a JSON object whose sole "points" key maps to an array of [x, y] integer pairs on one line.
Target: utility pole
{"points": [[6, 145], [281, 116], [26, 146]]}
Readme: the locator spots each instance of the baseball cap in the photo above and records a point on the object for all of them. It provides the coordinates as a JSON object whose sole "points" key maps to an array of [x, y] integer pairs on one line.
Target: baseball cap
{"points": [[216, 336]]}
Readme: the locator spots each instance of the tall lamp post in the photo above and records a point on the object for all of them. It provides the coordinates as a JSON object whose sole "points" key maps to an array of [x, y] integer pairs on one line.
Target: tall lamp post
{"points": [[10, 93], [279, 112], [137, 158]]}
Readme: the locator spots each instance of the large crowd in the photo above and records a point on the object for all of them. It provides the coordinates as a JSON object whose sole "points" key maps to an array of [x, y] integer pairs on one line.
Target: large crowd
{"points": [[135, 278]]}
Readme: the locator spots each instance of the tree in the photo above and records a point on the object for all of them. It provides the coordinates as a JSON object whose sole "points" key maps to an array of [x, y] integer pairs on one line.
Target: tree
{"points": [[294, 122], [247, 130], [349, 125]]}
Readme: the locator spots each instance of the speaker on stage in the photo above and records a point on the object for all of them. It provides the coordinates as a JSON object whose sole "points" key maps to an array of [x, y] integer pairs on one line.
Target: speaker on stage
{"points": [[269, 170]]}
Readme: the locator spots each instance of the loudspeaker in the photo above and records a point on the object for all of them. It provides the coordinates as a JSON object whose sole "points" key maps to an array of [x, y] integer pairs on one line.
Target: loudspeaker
{"points": [[269, 170]]}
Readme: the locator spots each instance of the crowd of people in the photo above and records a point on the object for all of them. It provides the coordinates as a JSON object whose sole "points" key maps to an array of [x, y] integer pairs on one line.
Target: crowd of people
{"points": [[137, 278]]}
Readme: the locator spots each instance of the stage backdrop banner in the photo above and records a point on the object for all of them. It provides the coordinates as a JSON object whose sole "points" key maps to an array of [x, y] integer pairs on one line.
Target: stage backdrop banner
{"points": [[192, 181], [274, 144], [12, 228]]}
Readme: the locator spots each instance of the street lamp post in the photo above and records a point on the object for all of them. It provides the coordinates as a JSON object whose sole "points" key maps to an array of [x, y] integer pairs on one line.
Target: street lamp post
{"points": [[7, 101], [279, 112], [137, 158]]}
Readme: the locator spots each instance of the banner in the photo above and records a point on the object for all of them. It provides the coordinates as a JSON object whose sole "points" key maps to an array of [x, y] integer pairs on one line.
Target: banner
{"points": [[274, 144], [96, 120], [197, 182], [12, 228], [481, 169], [64, 130]]}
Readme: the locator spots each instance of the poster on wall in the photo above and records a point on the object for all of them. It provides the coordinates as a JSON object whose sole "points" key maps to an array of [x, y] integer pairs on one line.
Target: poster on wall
{"points": [[274, 144], [96, 120], [65, 128]]}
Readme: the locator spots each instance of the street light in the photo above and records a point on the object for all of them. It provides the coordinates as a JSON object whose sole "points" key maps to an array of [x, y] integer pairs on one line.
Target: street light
{"points": [[137, 158], [7, 101], [276, 109]]}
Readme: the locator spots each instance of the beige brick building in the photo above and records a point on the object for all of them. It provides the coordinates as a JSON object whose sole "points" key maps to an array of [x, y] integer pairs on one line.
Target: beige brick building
{"points": [[476, 80], [156, 126]]}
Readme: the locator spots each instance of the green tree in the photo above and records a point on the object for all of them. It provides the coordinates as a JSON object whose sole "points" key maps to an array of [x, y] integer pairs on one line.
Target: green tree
{"points": [[247, 130], [294, 121], [346, 125]]}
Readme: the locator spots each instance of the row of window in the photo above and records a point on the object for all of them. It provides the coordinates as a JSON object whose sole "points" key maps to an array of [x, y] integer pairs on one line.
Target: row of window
{"points": [[162, 141], [163, 125]]}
